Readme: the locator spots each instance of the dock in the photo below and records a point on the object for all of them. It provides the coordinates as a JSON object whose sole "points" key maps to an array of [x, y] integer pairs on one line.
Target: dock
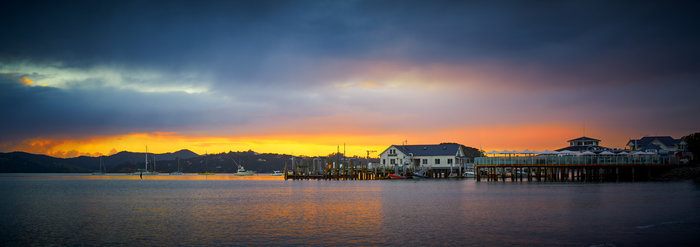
{"points": [[573, 168], [323, 168]]}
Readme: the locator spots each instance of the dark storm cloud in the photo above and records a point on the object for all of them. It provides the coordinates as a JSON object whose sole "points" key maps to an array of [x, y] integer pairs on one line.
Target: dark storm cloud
{"points": [[265, 41]]}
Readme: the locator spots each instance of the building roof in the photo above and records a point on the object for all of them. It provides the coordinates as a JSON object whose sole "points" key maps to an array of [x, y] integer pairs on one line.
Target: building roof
{"points": [[583, 139], [582, 148], [666, 140], [441, 149]]}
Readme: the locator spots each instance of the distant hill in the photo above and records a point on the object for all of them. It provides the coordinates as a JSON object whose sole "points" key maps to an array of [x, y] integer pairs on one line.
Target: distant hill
{"points": [[125, 157], [125, 162], [17, 162]]}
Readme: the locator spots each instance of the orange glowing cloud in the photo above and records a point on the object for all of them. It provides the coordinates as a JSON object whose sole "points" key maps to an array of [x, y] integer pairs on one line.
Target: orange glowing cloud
{"points": [[27, 81], [370, 84]]}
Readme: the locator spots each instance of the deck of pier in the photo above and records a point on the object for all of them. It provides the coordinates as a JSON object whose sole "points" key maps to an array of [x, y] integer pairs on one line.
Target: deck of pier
{"points": [[354, 169], [586, 168]]}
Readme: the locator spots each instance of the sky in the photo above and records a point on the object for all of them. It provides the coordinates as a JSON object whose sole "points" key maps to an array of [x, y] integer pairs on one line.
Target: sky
{"points": [[309, 77]]}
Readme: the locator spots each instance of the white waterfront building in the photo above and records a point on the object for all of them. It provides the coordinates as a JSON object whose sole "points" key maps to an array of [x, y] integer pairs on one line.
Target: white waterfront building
{"points": [[443, 156]]}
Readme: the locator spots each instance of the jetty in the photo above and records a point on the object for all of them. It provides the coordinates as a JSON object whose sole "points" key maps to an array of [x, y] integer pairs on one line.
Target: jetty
{"points": [[573, 166], [324, 168], [330, 169]]}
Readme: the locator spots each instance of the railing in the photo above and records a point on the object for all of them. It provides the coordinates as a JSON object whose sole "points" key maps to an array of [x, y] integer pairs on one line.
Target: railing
{"points": [[545, 160]]}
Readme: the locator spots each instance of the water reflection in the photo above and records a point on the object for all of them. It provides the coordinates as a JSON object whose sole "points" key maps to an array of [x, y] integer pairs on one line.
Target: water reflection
{"points": [[60, 209], [129, 176]]}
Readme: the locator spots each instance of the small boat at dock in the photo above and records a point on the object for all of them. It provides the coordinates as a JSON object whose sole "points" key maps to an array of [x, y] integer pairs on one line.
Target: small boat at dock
{"points": [[277, 173], [392, 176]]}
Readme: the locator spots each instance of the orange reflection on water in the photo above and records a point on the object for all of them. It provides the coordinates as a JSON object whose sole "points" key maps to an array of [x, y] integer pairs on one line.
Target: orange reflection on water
{"points": [[346, 212]]}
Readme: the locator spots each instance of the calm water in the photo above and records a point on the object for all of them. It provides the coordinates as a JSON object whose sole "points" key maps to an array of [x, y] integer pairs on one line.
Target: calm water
{"points": [[74, 210]]}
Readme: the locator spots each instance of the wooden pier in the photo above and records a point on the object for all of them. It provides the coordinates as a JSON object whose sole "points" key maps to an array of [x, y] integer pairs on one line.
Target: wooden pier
{"points": [[572, 169], [352, 169]]}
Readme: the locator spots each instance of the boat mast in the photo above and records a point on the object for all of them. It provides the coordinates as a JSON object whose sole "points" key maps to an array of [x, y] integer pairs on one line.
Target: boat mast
{"points": [[146, 165]]}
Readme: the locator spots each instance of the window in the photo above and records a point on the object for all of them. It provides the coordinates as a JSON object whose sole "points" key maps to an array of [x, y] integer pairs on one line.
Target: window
{"points": [[437, 161], [425, 161], [383, 161], [449, 161], [393, 161]]}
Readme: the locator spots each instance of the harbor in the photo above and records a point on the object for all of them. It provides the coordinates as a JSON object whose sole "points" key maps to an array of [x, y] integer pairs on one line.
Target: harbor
{"points": [[584, 160]]}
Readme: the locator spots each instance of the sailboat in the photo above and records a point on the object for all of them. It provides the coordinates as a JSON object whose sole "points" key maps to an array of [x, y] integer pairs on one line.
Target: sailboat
{"points": [[154, 172], [206, 166], [178, 172], [145, 171], [100, 172]]}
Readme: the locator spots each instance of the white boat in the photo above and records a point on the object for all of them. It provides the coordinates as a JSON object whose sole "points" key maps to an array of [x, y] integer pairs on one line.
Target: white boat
{"points": [[242, 171], [469, 174], [142, 172], [277, 173]]}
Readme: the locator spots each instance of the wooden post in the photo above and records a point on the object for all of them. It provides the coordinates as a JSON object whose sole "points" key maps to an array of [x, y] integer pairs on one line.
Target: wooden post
{"points": [[477, 173], [632, 174], [285, 171]]}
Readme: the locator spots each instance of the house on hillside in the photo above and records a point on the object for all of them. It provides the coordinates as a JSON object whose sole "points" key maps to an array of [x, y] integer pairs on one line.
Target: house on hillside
{"points": [[582, 144], [658, 144], [444, 156]]}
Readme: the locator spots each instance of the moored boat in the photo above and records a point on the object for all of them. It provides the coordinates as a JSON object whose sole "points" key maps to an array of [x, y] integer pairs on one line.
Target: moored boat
{"points": [[101, 171], [392, 176], [242, 171]]}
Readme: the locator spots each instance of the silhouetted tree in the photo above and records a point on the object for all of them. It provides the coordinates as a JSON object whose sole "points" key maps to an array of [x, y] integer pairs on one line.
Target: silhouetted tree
{"points": [[693, 141]]}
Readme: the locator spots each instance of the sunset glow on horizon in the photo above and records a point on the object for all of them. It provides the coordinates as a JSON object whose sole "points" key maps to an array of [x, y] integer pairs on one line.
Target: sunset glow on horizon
{"points": [[546, 137]]}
